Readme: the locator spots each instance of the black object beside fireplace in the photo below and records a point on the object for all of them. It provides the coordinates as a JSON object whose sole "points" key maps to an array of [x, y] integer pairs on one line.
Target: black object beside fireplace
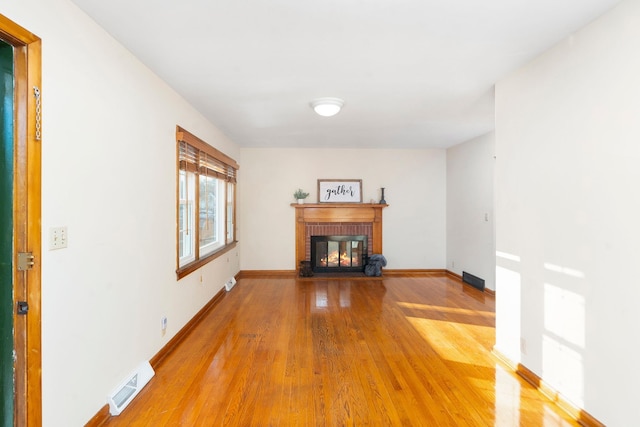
{"points": [[338, 254]]}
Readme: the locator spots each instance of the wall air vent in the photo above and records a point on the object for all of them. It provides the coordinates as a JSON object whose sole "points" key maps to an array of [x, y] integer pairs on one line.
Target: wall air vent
{"points": [[230, 284], [129, 388], [474, 281]]}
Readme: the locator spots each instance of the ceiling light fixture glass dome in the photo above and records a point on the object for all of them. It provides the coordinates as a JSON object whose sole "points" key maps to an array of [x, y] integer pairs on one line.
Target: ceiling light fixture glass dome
{"points": [[327, 107]]}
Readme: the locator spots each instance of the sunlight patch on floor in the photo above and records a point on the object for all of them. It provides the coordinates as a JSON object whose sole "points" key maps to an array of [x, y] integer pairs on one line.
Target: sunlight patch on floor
{"points": [[448, 310], [507, 398], [445, 338]]}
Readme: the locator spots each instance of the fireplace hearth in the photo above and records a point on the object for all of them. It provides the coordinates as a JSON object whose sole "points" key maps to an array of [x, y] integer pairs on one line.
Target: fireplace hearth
{"points": [[338, 254]]}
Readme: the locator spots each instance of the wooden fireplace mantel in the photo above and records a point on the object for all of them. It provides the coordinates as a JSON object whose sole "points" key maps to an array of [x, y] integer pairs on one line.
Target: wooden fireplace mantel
{"points": [[337, 212]]}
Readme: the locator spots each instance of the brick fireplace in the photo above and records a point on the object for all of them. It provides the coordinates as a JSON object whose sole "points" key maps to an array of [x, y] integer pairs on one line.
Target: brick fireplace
{"points": [[337, 219]]}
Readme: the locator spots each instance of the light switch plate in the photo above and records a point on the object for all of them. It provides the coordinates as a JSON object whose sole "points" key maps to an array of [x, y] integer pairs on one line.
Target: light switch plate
{"points": [[57, 238]]}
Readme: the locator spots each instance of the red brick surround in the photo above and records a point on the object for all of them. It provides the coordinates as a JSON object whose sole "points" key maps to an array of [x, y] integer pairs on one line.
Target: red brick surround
{"points": [[337, 229], [322, 219]]}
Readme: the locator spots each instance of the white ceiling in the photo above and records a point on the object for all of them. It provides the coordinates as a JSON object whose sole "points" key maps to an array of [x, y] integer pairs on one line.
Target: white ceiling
{"points": [[413, 73]]}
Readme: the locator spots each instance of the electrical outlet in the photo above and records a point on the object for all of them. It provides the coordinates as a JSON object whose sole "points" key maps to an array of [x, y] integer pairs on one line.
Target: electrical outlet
{"points": [[163, 323], [523, 346]]}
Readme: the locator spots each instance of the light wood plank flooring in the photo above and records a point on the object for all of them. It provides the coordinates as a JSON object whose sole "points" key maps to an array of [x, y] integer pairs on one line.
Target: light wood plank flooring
{"points": [[402, 351]]}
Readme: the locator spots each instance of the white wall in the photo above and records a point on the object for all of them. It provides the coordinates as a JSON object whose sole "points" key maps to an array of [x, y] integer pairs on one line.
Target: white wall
{"points": [[470, 232], [567, 212], [108, 175], [414, 181]]}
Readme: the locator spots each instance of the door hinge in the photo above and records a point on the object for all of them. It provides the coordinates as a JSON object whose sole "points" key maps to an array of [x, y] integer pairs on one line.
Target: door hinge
{"points": [[23, 307], [25, 261]]}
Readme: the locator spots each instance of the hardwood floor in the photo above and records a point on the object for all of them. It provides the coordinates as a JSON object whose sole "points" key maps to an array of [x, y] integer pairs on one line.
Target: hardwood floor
{"points": [[402, 351]]}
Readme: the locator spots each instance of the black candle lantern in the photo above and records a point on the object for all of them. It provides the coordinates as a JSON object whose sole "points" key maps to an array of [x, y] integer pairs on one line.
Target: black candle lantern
{"points": [[382, 200]]}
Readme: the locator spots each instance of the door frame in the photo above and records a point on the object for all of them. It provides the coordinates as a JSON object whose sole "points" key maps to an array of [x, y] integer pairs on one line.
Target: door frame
{"points": [[27, 189]]}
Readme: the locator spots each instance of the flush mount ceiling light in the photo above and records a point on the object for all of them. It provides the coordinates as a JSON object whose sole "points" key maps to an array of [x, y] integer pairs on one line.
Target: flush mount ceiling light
{"points": [[327, 107]]}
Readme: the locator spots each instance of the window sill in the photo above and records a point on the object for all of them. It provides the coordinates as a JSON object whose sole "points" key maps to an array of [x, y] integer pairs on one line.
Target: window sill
{"points": [[193, 266]]}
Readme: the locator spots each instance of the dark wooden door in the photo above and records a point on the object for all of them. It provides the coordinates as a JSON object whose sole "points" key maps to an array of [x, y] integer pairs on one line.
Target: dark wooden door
{"points": [[6, 236]]}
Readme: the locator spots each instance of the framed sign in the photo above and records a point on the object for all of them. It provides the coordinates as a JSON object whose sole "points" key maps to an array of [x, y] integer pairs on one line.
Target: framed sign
{"points": [[339, 191]]}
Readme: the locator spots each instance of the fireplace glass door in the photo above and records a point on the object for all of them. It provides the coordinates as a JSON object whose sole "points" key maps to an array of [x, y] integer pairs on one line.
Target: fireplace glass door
{"points": [[338, 253]]}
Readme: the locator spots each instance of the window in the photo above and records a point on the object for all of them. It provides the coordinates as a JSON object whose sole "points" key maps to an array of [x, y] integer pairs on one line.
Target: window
{"points": [[206, 202]]}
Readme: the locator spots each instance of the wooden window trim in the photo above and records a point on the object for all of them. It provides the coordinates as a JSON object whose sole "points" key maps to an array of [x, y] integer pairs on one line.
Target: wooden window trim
{"points": [[224, 168], [191, 139], [193, 266]]}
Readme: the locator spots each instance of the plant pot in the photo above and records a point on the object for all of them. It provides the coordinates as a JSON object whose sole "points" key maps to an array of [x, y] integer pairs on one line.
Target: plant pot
{"points": [[301, 201]]}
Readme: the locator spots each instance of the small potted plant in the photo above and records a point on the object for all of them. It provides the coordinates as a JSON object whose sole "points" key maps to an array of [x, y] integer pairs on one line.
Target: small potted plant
{"points": [[300, 195]]}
